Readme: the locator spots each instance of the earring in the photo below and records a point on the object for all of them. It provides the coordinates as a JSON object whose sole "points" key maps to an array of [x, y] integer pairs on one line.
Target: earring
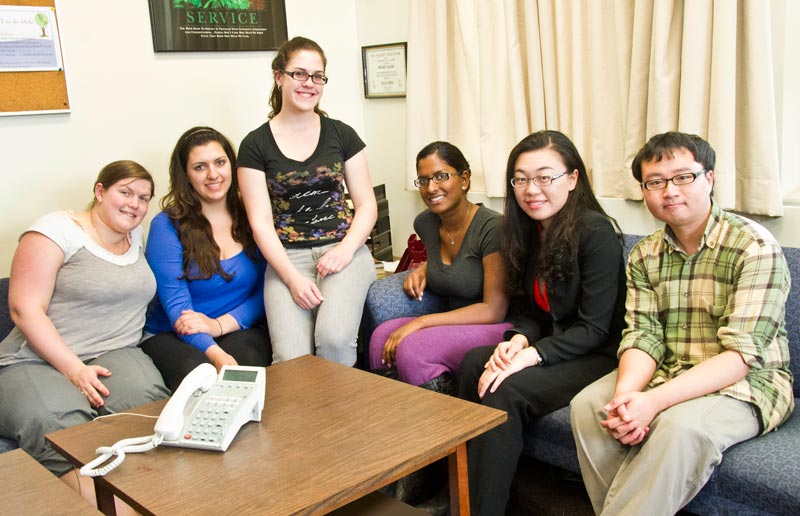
{"points": [[463, 187]]}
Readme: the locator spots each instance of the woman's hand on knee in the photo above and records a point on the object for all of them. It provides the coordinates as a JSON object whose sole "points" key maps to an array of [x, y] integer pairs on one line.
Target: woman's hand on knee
{"points": [[504, 354], [85, 378], [305, 293], [394, 339], [492, 377], [334, 261]]}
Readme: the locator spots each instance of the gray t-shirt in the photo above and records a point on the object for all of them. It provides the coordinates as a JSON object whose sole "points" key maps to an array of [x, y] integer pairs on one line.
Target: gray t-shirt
{"points": [[462, 281], [99, 299]]}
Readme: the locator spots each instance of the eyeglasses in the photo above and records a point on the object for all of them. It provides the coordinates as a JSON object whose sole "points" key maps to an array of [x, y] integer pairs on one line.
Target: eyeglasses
{"points": [[681, 179], [439, 177], [523, 182], [302, 76]]}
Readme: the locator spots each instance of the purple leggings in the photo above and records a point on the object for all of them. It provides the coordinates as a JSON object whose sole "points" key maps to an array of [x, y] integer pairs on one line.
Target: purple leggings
{"points": [[427, 353]]}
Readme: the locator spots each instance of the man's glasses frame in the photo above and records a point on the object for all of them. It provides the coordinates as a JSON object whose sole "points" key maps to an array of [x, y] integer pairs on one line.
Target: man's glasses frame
{"points": [[684, 178]]}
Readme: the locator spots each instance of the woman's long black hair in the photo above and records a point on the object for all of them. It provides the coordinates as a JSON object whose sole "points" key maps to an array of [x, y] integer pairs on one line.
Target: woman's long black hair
{"points": [[521, 243]]}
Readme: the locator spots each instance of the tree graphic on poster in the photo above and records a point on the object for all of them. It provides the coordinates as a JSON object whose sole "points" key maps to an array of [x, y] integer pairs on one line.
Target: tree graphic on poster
{"points": [[42, 21], [211, 4]]}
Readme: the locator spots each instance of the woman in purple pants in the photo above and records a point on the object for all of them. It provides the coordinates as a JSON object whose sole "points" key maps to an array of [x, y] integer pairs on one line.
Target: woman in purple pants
{"points": [[464, 267]]}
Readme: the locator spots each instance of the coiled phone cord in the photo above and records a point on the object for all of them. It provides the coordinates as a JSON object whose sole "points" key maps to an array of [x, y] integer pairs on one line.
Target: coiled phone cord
{"points": [[119, 449]]}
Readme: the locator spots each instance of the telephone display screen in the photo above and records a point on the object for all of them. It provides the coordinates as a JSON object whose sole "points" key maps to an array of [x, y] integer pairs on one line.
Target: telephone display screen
{"points": [[233, 375]]}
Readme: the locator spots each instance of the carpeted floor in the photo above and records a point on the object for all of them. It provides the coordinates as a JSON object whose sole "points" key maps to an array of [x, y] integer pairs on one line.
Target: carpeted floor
{"points": [[543, 490]]}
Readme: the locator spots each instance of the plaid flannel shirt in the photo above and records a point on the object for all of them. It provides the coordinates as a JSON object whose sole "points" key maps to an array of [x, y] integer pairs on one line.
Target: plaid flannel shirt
{"points": [[729, 295]]}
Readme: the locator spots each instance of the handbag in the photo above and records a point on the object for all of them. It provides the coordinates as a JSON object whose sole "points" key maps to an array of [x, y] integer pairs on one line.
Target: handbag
{"points": [[414, 255]]}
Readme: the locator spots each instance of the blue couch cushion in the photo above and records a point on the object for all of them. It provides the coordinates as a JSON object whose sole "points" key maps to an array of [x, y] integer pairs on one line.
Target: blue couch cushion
{"points": [[549, 439], [759, 476]]}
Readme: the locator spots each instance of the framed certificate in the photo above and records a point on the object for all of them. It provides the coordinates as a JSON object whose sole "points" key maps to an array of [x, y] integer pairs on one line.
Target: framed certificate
{"points": [[384, 70]]}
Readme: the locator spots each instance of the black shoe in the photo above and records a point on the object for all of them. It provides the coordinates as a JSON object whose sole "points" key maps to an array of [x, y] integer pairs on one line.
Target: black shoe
{"points": [[410, 489], [444, 383], [439, 505]]}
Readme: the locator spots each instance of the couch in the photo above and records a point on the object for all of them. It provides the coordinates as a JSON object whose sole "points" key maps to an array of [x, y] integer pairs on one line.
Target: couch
{"points": [[757, 477], [5, 328]]}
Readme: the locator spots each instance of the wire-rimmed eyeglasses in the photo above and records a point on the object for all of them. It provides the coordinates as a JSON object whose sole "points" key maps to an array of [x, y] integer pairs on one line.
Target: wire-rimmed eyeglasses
{"points": [[302, 76], [681, 179], [523, 182], [439, 177]]}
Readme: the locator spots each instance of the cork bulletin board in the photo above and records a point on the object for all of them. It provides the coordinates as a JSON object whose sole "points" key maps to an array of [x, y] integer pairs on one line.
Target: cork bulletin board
{"points": [[33, 92]]}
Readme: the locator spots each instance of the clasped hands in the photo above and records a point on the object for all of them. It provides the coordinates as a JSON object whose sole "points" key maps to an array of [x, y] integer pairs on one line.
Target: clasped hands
{"points": [[191, 322], [508, 358], [629, 416]]}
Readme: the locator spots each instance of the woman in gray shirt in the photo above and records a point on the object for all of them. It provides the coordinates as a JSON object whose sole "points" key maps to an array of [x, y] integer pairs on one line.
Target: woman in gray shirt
{"points": [[78, 293], [462, 240]]}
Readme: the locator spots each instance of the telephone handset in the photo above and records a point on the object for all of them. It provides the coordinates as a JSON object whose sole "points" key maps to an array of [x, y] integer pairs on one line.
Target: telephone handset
{"points": [[206, 412]]}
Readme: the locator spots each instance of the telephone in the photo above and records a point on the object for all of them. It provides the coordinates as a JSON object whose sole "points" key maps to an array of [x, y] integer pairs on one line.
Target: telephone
{"points": [[206, 412]]}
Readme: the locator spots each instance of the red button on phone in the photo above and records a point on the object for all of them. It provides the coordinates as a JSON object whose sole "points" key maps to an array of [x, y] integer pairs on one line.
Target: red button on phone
{"points": [[187, 436]]}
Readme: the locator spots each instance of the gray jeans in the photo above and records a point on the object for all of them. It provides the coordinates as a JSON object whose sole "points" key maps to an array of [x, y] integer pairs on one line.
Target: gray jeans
{"points": [[329, 330], [36, 399]]}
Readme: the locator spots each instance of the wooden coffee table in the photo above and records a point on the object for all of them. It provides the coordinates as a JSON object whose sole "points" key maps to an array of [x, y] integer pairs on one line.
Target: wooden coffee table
{"points": [[329, 435], [28, 488]]}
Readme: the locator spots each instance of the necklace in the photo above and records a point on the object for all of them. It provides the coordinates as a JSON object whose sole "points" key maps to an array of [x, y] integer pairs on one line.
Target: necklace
{"points": [[452, 239], [126, 240]]}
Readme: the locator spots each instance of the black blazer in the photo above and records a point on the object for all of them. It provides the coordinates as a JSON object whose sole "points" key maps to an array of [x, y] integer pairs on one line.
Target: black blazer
{"points": [[587, 311]]}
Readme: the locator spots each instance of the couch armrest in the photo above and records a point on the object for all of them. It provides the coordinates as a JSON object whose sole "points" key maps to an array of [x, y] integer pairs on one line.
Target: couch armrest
{"points": [[386, 300]]}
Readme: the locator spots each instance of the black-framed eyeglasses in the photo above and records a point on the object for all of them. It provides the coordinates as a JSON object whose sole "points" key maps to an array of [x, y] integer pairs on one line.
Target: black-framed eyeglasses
{"points": [[302, 76], [439, 177], [681, 179], [523, 182]]}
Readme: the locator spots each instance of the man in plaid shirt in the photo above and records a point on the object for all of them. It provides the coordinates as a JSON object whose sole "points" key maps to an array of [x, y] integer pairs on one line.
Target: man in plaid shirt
{"points": [[704, 361]]}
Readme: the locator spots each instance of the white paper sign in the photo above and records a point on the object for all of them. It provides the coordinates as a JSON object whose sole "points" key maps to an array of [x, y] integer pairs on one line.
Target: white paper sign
{"points": [[29, 39]]}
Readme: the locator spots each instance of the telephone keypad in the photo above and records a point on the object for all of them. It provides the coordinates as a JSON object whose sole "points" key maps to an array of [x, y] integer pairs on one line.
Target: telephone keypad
{"points": [[212, 417]]}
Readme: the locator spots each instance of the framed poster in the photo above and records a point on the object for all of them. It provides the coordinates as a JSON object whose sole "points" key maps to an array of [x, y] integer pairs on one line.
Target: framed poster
{"points": [[384, 70], [217, 25]]}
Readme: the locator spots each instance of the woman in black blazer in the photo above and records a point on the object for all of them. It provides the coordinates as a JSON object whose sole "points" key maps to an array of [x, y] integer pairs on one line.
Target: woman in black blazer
{"points": [[566, 273]]}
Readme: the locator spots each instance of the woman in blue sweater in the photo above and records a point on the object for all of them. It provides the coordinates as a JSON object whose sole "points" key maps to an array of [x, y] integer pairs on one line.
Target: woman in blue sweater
{"points": [[209, 305]]}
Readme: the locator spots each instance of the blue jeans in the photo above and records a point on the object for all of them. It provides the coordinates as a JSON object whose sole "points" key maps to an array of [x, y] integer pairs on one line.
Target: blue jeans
{"points": [[329, 330]]}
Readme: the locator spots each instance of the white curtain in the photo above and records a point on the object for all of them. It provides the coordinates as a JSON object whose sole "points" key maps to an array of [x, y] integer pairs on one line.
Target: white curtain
{"points": [[482, 74]]}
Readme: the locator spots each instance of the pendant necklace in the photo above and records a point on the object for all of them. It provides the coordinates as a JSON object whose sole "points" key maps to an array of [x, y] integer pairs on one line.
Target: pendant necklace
{"points": [[453, 240], [124, 241]]}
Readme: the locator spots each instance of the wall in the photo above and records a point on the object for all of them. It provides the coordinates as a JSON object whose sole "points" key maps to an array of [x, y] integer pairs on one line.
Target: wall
{"points": [[385, 120], [128, 102]]}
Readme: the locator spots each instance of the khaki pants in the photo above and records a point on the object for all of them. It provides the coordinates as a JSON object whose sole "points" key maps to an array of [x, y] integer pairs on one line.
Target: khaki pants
{"points": [[665, 472]]}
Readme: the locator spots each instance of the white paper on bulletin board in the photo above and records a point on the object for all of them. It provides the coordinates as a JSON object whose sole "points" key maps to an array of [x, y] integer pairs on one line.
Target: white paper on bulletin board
{"points": [[29, 40]]}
